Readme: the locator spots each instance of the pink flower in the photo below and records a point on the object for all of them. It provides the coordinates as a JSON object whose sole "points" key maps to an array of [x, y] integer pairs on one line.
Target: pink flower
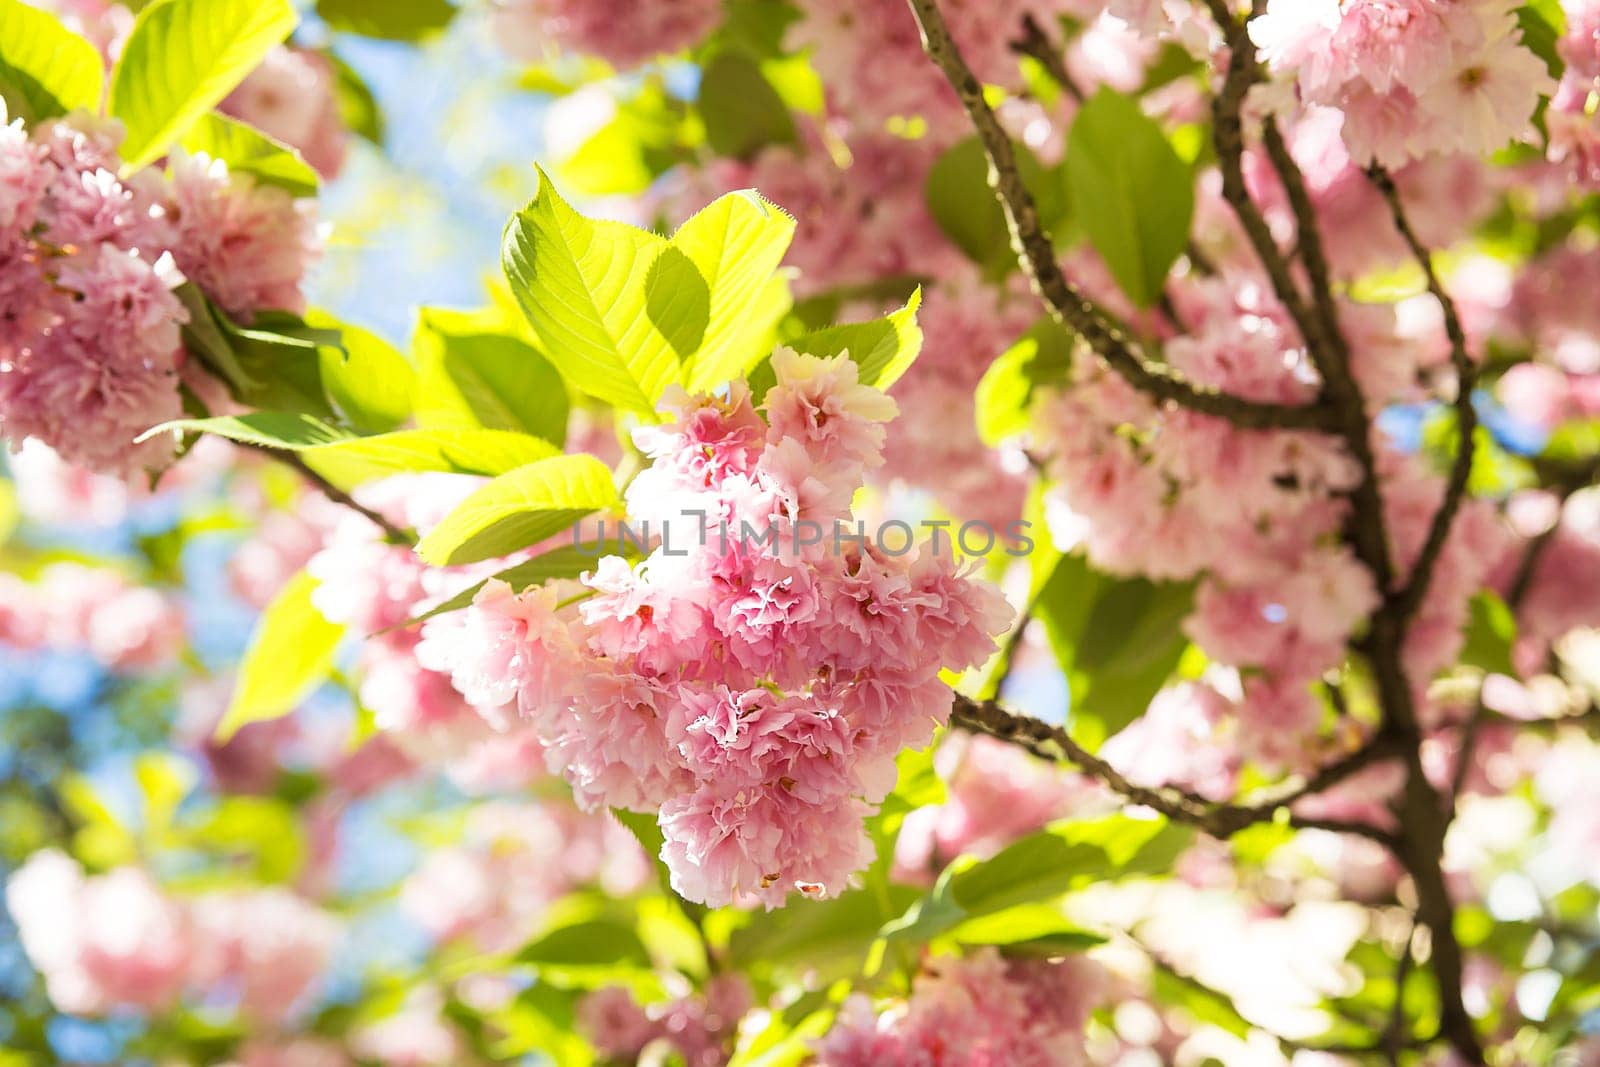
{"points": [[509, 646], [102, 942], [981, 1009], [267, 946], [625, 33], [761, 844], [247, 245], [291, 97], [821, 404]]}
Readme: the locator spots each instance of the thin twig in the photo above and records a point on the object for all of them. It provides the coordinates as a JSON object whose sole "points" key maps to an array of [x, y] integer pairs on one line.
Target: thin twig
{"points": [[1318, 326], [1416, 587], [1036, 44], [1222, 821], [1065, 303], [393, 533]]}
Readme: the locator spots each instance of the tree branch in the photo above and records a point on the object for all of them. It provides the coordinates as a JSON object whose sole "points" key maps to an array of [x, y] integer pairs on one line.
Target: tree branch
{"points": [[1066, 305], [1036, 44], [392, 533], [1222, 821], [1416, 587]]}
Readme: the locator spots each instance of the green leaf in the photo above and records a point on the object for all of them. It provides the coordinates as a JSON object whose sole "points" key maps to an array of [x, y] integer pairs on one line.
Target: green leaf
{"points": [[45, 69], [1574, 442], [259, 837], [520, 508], [1026, 930], [1117, 640], [1543, 24], [289, 431], [290, 654], [741, 109], [348, 460], [594, 293], [366, 377], [1065, 856], [181, 59], [1202, 1004], [1041, 356], [358, 108], [963, 204], [1002, 900], [883, 349], [735, 245], [593, 941], [469, 377], [1136, 196], [1491, 631], [392, 20], [486, 452], [567, 561], [829, 935], [274, 364], [247, 150], [1130, 645]]}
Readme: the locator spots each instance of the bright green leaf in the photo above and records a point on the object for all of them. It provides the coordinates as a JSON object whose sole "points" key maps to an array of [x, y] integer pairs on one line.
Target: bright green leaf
{"points": [[349, 461], [366, 377], [594, 293], [568, 561], [358, 108], [468, 377], [736, 244], [741, 109], [45, 69], [181, 59], [1491, 631], [487, 452], [1065, 856], [1543, 24], [288, 431], [1041, 356], [1133, 195], [290, 654], [963, 204], [594, 941], [883, 349], [520, 508], [393, 20], [247, 150]]}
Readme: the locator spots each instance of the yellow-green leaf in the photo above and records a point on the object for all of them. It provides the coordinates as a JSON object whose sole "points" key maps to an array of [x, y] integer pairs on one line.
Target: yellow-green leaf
{"points": [[181, 59], [519, 509], [290, 654], [45, 69]]}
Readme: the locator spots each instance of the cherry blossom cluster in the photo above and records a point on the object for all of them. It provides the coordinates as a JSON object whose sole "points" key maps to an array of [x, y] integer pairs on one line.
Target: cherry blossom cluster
{"points": [[869, 53], [119, 940], [73, 607], [375, 587], [981, 1008], [698, 1028], [1411, 77], [754, 689], [91, 354], [1257, 515]]}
